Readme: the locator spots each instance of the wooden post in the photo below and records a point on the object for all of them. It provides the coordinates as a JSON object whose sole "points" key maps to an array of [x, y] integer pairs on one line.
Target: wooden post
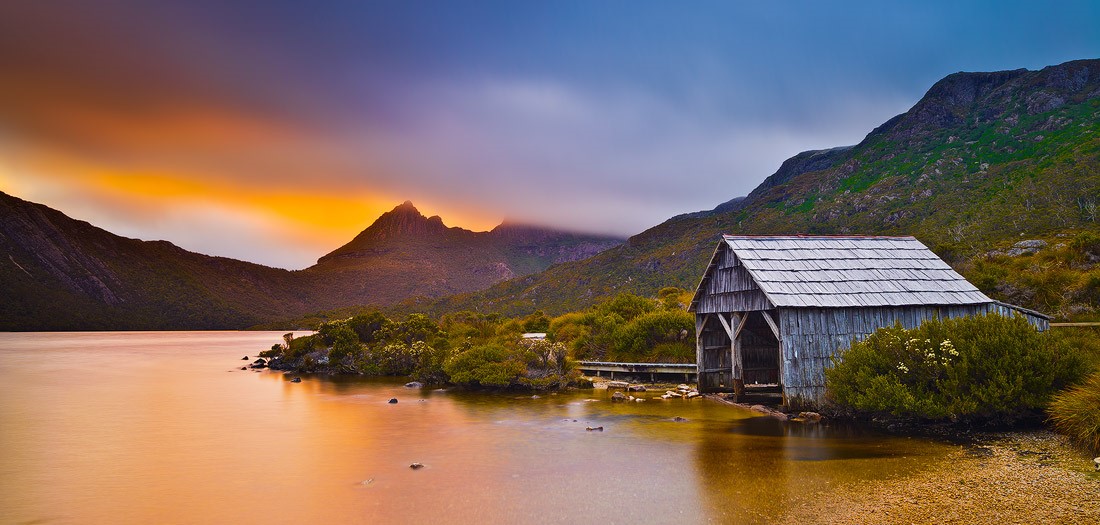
{"points": [[700, 321], [737, 319]]}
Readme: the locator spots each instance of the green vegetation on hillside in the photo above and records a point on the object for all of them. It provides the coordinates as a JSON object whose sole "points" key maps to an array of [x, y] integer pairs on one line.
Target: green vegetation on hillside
{"points": [[982, 161]]}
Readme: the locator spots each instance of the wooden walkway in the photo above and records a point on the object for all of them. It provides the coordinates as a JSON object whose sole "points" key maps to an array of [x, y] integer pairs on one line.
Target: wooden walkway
{"points": [[683, 371]]}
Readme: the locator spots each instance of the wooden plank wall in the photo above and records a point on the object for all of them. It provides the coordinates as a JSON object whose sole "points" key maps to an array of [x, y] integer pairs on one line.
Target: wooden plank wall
{"points": [[811, 336], [715, 346], [730, 288]]}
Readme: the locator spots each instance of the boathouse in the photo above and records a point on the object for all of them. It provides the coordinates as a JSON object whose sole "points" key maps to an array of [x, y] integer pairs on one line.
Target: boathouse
{"points": [[773, 310]]}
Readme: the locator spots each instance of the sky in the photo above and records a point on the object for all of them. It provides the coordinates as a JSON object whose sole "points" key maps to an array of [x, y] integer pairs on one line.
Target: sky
{"points": [[274, 131]]}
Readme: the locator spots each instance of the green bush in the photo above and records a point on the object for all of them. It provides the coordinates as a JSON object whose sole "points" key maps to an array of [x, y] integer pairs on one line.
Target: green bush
{"points": [[489, 365], [636, 340], [1076, 413], [986, 369]]}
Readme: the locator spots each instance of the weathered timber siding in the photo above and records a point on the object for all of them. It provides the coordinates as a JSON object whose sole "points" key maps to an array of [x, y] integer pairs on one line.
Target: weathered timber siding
{"points": [[730, 288], [812, 336], [716, 367]]}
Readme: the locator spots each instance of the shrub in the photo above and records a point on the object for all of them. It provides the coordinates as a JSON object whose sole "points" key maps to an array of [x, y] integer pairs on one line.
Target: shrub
{"points": [[1076, 413], [489, 365], [637, 339], [990, 369]]}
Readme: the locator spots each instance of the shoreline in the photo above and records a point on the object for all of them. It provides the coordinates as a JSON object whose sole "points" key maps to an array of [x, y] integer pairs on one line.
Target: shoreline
{"points": [[1002, 477]]}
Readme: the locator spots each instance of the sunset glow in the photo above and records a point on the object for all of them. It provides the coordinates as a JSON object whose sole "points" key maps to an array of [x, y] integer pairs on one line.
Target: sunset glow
{"points": [[276, 132]]}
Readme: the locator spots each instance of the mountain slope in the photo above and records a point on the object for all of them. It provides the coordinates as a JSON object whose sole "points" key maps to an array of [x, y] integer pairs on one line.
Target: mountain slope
{"points": [[981, 160], [62, 274], [58, 273], [404, 254]]}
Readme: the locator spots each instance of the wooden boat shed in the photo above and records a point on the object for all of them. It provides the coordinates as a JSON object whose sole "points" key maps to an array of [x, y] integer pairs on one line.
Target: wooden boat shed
{"points": [[773, 310]]}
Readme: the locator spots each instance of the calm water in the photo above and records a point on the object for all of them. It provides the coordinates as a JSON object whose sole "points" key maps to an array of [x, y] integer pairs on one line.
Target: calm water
{"points": [[163, 427]]}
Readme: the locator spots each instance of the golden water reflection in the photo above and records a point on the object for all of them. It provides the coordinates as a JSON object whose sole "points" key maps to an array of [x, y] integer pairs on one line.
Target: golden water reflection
{"points": [[165, 428]]}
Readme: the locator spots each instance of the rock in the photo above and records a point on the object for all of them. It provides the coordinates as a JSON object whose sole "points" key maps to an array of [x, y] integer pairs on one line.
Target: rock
{"points": [[618, 396], [809, 417], [415, 466], [259, 361], [638, 400], [414, 384], [679, 419], [683, 388], [245, 358], [613, 385], [244, 368], [393, 400], [1027, 247], [693, 394], [635, 388], [1096, 461], [296, 380], [594, 429], [760, 408]]}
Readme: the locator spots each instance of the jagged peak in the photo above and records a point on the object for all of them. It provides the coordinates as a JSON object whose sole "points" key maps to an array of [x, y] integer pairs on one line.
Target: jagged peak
{"points": [[404, 221]]}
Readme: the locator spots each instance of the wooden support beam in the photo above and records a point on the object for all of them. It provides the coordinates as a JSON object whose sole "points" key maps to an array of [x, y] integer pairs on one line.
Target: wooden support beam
{"points": [[771, 323], [740, 325], [726, 325], [700, 323]]}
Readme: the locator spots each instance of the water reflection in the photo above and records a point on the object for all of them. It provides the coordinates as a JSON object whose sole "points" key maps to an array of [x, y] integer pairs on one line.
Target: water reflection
{"points": [[155, 427]]}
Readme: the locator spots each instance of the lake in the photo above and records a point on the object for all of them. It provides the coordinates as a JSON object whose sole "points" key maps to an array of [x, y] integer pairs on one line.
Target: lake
{"points": [[164, 427]]}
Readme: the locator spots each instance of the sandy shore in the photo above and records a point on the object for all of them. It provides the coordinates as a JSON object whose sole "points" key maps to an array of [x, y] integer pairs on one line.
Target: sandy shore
{"points": [[1027, 478]]}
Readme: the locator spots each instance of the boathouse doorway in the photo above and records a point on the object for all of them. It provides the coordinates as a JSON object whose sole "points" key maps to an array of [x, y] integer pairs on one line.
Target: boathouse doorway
{"points": [[738, 350]]}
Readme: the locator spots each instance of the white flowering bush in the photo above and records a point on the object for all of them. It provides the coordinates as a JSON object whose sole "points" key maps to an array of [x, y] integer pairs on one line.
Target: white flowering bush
{"points": [[988, 368]]}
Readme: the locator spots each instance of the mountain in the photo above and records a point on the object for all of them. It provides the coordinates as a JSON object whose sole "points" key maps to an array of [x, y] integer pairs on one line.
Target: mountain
{"points": [[59, 273], [405, 255], [981, 161]]}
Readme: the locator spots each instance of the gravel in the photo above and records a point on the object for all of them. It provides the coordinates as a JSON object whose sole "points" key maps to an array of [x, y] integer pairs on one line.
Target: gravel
{"points": [[1005, 478]]}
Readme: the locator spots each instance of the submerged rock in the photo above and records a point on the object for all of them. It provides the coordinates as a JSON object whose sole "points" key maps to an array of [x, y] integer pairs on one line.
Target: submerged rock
{"points": [[245, 358], [393, 400], [415, 466], [594, 429], [296, 380], [414, 384]]}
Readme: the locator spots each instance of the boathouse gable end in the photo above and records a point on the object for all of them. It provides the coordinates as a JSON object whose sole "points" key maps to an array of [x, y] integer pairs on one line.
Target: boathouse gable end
{"points": [[727, 286], [772, 312]]}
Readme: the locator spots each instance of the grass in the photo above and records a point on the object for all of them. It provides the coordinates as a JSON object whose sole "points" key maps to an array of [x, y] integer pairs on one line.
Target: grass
{"points": [[1076, 413]]}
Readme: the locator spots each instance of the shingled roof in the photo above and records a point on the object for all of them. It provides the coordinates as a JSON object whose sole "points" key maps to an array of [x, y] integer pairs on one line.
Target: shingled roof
{"points": [[850, 271]]}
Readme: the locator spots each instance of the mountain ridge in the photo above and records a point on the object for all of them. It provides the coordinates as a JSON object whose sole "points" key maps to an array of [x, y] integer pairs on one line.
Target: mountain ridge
{"points": [[62, 273], [979, 161]]}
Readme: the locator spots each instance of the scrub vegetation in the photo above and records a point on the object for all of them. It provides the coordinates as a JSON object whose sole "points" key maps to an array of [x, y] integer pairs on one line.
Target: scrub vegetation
{"points": [[489, 350], [987, 370]]}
